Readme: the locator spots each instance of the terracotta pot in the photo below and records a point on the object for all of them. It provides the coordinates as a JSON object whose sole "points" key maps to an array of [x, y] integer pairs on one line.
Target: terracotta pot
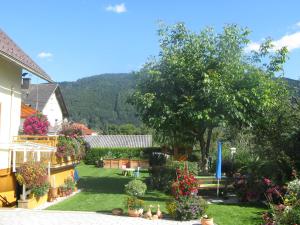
{"points": [[53, 192], [135, 212], [117, 211], [204, 221]]}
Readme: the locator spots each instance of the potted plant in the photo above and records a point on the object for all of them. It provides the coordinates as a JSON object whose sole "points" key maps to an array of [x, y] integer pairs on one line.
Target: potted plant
{"points": [[135, 206], [207, 220], [135, 189]]}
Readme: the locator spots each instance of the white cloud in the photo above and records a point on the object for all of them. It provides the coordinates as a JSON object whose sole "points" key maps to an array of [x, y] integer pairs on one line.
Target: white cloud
{"points": [[253, 46], [298, 24], [45, 55], [291, 41], [118, 8]]}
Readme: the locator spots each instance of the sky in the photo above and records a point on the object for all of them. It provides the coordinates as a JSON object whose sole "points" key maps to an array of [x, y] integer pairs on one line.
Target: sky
{"points": [[72, 39]]}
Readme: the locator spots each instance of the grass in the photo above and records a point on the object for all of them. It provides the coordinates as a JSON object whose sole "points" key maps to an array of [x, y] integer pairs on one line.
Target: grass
{"points": [[103, 190], [236, 214]]}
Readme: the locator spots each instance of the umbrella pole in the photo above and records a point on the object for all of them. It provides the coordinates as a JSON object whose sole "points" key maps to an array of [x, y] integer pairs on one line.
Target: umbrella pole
{"points": [[218, 187]]}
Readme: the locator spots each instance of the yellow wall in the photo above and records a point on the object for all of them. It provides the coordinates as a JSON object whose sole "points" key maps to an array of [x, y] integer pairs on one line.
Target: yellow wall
{"points": [[7, 185], [60, 175]]}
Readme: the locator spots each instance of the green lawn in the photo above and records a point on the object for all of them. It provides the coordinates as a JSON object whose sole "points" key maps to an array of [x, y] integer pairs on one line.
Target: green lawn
{"points": [[102, 190]]}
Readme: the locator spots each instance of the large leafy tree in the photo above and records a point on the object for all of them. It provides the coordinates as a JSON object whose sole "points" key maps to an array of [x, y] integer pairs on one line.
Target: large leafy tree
{"points": [[201, 81]]}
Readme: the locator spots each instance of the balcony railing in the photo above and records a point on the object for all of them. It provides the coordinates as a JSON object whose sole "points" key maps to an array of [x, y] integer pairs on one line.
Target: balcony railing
{"points": [[37, 148]]}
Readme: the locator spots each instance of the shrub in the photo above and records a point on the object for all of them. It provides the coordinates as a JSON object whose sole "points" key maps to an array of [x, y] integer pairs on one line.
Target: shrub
{"points": [[157, 159], [135, 188], [290, 216], [184, 185], [41, 190], [134, 203], [70, 184], [186, 207], [161, 178], [70, 146], [34, 176], [36, 125], [96, 154]]}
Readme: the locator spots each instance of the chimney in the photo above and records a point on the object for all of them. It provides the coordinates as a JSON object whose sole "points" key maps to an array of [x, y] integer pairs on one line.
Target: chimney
{"points": [[25, 83]]}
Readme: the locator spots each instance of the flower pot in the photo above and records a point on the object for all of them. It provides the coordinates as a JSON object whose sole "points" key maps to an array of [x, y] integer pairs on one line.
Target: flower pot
{"points": [[53, 192], [204, 221], [117, 211], [135, 212]]}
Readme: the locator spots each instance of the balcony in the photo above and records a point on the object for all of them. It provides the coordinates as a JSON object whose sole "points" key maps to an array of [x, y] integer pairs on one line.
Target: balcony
{"points": [[37, 148]]}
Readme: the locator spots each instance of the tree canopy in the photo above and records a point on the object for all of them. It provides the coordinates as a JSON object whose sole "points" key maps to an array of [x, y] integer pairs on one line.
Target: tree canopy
{"points": [[201, 81]]}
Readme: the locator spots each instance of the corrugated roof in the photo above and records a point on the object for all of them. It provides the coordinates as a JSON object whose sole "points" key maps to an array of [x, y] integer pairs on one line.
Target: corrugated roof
{"points": [[27, 111], [114, 141], [13, 52]]}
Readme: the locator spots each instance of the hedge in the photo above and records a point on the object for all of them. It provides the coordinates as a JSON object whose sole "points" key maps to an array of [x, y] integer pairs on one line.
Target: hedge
{"points": [[95, 154]]}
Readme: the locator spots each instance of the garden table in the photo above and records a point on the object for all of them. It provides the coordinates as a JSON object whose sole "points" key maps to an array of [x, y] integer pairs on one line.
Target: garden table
{"points": [[128, 171]]}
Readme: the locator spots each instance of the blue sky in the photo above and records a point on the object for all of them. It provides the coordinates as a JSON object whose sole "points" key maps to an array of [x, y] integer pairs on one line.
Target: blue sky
{"points": [[72, 39]]}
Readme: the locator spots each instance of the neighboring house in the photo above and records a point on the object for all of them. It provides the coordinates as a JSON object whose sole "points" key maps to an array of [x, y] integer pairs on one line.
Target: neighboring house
{"points": [[85, 130], [16, 149], [47, 98], [116, 141], [26, 111]]}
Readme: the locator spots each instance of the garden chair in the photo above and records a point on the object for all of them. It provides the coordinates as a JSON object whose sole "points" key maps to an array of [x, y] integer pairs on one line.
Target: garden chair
{"points": [[124, 172], [137, 172]]}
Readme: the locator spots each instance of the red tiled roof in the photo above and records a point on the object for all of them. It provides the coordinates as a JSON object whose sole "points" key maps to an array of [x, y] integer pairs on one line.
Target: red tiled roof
{"points": [[27, 111], [84, 128]]}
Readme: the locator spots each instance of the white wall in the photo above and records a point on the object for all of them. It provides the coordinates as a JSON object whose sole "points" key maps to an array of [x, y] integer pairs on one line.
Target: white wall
{"points": [[53, 111], [10, 106]]}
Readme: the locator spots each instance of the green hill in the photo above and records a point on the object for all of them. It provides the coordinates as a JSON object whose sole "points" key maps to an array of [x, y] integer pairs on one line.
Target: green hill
{"points": [[101, 100]]}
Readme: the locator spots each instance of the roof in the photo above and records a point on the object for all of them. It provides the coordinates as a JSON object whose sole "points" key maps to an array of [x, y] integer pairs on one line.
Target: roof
{"points": [[11, 51], [27, 111], [37, 96], [132, 141], [84, 128]]}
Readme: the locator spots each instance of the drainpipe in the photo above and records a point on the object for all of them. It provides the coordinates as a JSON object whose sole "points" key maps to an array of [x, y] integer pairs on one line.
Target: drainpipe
{"points": [[10, 112]]}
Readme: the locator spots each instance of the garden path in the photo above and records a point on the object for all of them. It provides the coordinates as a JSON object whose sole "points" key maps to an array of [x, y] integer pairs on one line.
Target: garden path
{"points": [[44, 217]]}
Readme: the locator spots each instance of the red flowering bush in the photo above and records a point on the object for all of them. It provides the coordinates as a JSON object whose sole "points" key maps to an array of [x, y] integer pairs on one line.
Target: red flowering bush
{"points": [[185, 185], [186, 205], [37, 124]]}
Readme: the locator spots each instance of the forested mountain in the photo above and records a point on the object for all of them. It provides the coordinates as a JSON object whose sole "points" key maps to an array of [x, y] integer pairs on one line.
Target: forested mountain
{"points": [[100, 101]]}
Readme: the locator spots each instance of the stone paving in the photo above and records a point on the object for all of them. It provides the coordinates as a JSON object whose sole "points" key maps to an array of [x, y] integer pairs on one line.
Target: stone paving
{"points": [[47, 217]]}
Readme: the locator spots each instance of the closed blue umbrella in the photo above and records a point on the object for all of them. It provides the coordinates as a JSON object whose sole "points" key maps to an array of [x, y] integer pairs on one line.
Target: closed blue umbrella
{"points": [[219, 165]]}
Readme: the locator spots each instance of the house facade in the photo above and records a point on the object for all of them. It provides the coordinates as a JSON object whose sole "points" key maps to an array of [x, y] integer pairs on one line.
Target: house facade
{"points": [[47, 98], [16, 149]]}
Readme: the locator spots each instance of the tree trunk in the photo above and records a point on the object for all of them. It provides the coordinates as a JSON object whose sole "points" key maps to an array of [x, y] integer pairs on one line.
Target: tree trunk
{"points": [[204, 147]]}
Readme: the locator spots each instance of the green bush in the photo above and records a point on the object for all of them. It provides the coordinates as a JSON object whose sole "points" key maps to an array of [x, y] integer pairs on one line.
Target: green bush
{"points": [[290, 216], [135, 188], [95, 154], [161, 177]]}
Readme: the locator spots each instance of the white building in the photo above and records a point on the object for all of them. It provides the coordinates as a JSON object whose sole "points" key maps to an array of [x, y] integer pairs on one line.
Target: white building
{"points": [[47, 98], [12, 63]]}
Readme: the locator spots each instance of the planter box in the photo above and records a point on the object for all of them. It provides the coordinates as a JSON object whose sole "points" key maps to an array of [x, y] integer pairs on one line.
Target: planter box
{"points": [[32, 202], [117, 163]]}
